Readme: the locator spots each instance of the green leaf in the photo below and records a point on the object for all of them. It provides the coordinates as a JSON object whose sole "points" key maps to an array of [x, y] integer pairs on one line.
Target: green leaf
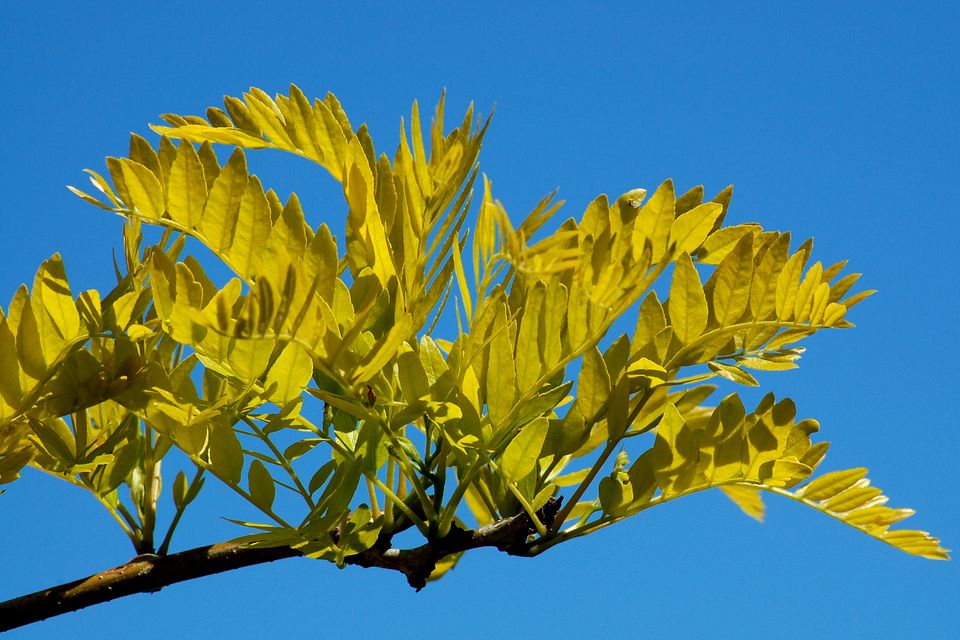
{"points": [[124, 461], [521, 455], [226, 454], [320, 476], [262, 489], [180, 487], [56, 439], [615, 495]]}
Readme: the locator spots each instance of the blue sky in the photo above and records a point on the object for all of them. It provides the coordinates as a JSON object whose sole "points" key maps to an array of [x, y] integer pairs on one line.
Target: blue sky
{"points": [[833, 120]]}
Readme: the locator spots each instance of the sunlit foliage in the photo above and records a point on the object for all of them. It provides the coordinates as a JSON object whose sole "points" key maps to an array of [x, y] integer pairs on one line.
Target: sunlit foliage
{"points": [[320, 384]]}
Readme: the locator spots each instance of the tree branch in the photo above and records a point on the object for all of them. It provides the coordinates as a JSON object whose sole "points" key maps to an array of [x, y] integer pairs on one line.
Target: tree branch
{"points": [[150, 573]]}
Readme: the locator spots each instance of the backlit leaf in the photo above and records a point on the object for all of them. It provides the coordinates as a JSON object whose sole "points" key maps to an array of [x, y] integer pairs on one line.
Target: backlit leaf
{"points": [[594, 384], [186, 187], [731, 288], [290, 372], [748, 499], [145, 191], [691, 229], [520, 456], [262, 489], [687, 304]]}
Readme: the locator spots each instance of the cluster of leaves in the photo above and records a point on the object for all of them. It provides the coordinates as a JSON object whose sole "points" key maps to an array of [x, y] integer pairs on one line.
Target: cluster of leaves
{"points": [[415, 430]]}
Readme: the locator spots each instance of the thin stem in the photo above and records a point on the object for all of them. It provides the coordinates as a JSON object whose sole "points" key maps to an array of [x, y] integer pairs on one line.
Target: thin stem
{"points": [[124, 524], [527, 507], [388, 499], [422, 526], [604, 456], [131, 521], [407, 471], [372, 492], [281, 460], [165, 545], [605, 521], [151, 493], [582, 487]]}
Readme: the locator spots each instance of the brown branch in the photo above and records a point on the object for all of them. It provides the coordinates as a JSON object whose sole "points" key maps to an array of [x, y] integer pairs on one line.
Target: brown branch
{"points": [[150, 573], [143, 574]]}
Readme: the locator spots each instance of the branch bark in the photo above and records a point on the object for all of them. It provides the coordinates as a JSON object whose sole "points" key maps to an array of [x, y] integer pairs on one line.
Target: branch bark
{"points": [[151, 573]]}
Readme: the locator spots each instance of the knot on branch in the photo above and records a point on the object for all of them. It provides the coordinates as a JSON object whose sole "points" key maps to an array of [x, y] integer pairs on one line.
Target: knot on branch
{"points": [[509, 535]]}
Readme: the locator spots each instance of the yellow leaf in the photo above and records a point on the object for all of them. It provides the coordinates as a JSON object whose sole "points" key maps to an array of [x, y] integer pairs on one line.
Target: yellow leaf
{"points": [[58, 320], [521, 455], [264, 112], [654, 221], [819, 304], [856, 496], [252, 230], [330, 139], [144, 189], [464, 288], [594, 385], [830, 484], [650, 321], [675, 453], [788, 283], [733, 374], [383, 351], [290, 372], [248, 357], [501, 375], [139, 332], [687, 305], [763, 292], [528, 337], [811, 281], [747, 498], [186, 187], [731, 283], [205, 133], [10, 393], [722, 241], [223, 204], [691, 229]]}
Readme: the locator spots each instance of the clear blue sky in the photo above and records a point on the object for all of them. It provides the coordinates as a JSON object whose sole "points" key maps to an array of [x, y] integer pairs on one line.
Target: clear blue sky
{"points": [[833, 120]]}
